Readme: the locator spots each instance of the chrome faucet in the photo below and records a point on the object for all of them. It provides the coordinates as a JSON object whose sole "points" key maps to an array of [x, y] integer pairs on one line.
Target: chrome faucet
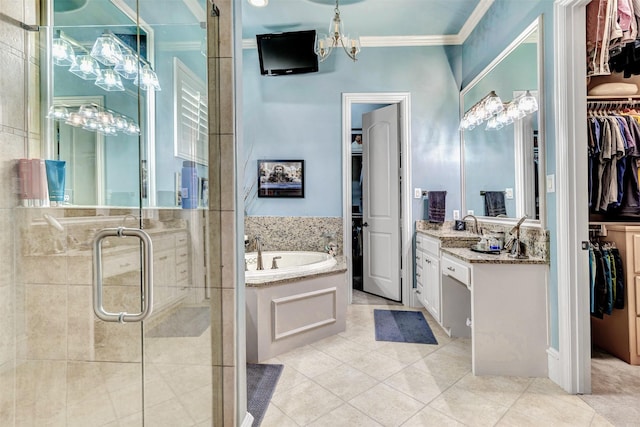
{"points": [[475, 222], [259, 265]]}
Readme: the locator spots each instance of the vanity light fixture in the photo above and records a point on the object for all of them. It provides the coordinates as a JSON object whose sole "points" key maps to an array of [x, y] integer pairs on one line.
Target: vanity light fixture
{"points": [[324, 44], [497, 114], [108, 62], [94, 118], [258, 3]]}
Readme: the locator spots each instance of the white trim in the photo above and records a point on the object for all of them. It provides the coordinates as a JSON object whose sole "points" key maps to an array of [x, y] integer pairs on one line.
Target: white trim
{"points": [[403, 99], [554, 368], [415, 40], [197, 10], [248, 420], [473, 20], [574, 374]]}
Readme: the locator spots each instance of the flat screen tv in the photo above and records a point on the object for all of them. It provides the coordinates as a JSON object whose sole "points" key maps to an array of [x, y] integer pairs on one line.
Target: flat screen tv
{"points": [[287, 53]]}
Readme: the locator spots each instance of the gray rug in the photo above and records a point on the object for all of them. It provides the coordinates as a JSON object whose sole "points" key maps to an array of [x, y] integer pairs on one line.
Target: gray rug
{"points": [[184, 322], [402, 326], [261, 382]]}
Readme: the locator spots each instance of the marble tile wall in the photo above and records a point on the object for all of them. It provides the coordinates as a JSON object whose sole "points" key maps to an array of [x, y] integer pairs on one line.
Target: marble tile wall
{"points": [[16, 130], [294, 233]]}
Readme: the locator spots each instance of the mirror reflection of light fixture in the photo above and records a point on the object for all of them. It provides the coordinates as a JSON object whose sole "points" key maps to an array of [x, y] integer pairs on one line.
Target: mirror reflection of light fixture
{"points": [[94, 118], [324, 44], [117, 59], [147, 79], [85, 67], [62, 52], [110, 81], [258, 3], [106, 50]]}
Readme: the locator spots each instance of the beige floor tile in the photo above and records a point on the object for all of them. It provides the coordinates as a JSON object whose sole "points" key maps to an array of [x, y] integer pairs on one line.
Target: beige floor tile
{"points": [[407, 353], [309, 361], [346, 382], [502, 390], [274, 417], [345, 415], [416, 383], [306, 402], [468, 408], [429, 417], [600, 421], [168, 414], [386, 405], [555, 409], [341, 348], [377, 365], [447, 369], [289, 378]]}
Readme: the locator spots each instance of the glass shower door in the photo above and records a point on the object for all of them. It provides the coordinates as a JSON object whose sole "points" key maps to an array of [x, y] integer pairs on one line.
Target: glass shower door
{"points": [[113, 281]]}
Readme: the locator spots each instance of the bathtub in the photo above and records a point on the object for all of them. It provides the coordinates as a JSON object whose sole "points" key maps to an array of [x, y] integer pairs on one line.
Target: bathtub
{"points": [[290, 264], [301, 302]]}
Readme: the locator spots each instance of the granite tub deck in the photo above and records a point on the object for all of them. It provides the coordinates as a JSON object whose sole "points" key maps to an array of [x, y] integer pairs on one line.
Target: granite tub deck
{"points": [[295, 311]]}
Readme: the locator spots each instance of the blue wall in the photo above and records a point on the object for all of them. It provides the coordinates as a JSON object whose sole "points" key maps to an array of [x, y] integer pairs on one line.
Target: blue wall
{"points": [[300, 117], [504, 21]]}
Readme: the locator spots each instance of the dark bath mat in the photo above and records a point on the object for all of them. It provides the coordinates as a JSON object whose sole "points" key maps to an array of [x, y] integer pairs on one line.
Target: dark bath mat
{"points": [[185, 322], [402, 326], [261, 382]]}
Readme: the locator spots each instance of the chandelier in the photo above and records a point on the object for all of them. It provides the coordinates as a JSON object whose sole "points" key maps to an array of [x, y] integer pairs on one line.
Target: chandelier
{"points": [[324, 44]]}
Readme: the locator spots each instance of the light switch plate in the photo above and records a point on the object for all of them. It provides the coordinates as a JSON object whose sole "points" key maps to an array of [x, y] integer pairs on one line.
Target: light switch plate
{"points": [[456, 214], [417, 193], [508, 193], [551, 183]]}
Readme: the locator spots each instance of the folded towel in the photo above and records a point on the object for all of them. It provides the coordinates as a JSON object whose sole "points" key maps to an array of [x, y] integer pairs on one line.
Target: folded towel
{"points": [[494, 203], [437, 206], [425, 208]]}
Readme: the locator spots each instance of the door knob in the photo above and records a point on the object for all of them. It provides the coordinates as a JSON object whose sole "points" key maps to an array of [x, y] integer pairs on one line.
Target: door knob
{"points": [[366, 224]]}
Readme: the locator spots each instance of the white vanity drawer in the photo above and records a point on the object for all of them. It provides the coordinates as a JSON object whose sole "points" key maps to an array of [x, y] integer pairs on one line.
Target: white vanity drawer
{"points": [[428, 244], [459, 271]]}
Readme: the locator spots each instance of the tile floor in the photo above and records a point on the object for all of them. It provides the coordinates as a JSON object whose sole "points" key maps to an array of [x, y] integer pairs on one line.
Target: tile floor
{"points": [[353, 380]]}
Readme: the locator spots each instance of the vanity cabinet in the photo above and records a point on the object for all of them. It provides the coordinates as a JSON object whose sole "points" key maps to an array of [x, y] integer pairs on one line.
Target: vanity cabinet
{"points": [[501, 304], [619, 333], [428, 274]]}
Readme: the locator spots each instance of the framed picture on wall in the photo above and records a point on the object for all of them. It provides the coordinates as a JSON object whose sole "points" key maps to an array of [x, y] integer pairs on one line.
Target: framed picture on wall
{"points": [[280, 178], [356, 140]]}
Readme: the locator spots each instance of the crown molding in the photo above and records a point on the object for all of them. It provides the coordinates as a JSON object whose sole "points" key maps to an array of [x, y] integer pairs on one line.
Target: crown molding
{"points": [[473, 20], [417, 40]]}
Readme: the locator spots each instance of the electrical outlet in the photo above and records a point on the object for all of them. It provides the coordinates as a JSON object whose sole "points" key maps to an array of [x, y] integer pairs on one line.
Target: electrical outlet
{"points": [[470, 212], [456, 214], [417, 193], [508, 193]]}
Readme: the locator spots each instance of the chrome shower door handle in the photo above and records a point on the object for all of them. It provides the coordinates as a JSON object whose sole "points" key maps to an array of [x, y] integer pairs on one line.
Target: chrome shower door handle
{"points": [[147, 275]]}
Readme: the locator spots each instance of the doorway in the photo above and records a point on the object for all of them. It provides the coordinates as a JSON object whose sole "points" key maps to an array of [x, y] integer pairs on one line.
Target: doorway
{"points": [[403, 100]]}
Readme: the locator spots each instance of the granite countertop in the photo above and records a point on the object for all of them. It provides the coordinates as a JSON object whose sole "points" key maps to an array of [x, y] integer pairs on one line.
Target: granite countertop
{"points": [[472, 257], [450, 238]]}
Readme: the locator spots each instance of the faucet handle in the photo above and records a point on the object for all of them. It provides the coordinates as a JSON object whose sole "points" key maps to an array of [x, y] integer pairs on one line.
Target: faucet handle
{"points": [[274, 262]]}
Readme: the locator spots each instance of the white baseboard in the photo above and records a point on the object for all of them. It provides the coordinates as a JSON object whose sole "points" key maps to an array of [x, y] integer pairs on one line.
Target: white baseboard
{"points": [[555, 369], [248, 420]]}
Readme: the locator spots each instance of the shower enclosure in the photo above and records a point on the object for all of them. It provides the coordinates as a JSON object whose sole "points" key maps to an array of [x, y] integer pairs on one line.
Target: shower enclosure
{"points": [[109, 298]]}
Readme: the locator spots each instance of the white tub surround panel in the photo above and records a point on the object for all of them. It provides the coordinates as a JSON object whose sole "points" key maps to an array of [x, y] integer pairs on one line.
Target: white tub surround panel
{"points": [[290, 315]]}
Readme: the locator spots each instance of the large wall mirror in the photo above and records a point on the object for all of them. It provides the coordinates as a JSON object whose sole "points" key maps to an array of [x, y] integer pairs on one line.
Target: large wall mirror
{"points": [[121, 119], [503, 161]]}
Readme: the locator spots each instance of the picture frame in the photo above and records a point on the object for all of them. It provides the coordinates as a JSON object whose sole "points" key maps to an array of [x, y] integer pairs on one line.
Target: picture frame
{"points": [[281, 178], [356, 140]]}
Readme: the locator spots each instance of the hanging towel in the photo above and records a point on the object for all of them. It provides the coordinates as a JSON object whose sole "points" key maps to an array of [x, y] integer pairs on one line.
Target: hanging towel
{"points": [[494, 203], [437, 206], [425, 208]]}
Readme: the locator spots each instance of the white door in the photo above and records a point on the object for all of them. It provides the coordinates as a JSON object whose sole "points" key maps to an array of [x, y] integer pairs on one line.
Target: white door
{"points": [[381, 203]]}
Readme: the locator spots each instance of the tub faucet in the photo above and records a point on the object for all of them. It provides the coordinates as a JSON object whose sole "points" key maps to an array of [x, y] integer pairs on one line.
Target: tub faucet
{"points": [[475, 222], [259, 265]]}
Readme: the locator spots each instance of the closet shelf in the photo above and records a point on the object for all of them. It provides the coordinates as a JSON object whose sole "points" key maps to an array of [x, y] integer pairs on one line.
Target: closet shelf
{"points": [[613, 98]]}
